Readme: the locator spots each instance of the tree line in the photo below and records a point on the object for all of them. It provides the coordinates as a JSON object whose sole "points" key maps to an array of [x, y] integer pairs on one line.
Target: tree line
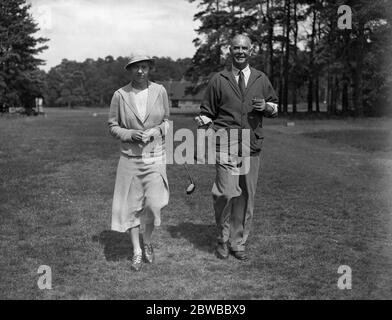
{"points": [[92, 82], [88, 83], [299, 45]]}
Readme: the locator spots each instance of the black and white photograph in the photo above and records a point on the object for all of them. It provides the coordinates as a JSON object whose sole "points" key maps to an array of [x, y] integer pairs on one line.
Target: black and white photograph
{"points": [[214, 152]]}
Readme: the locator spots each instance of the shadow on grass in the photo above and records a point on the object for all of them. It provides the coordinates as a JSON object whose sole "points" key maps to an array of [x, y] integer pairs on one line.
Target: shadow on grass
{"points": [[116, 245], [202, 236]]}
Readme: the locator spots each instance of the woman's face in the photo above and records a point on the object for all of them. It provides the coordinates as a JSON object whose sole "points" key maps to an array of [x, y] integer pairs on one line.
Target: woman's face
{"points": [[140, 71]]}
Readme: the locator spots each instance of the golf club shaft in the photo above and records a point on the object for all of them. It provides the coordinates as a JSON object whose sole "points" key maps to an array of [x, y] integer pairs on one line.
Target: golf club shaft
{"points": [[189, 175]]}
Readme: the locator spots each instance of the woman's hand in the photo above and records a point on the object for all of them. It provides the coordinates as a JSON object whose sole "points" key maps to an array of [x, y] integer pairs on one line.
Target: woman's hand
{"points": [[137, 135], [149, 133]]}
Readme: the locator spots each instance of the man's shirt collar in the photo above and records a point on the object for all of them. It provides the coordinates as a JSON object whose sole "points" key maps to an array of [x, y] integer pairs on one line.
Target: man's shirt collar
{"points": [[235, 70]]}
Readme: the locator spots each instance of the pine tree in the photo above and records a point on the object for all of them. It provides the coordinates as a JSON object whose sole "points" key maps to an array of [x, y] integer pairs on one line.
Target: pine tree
{"points": [[20, 78]]}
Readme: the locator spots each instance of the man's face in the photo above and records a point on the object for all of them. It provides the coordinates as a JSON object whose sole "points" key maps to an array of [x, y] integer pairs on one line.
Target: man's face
{"points": [[240, 51], [140, 71]]}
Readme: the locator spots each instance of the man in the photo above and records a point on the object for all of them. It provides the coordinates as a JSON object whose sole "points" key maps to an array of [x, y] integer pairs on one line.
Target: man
{"points": [[237, 99]]}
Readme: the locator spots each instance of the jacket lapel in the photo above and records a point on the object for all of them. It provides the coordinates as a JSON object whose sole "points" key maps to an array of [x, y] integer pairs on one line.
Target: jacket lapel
{"points": [[227, 73], [129, 100], [153, 92], [254, 74]]}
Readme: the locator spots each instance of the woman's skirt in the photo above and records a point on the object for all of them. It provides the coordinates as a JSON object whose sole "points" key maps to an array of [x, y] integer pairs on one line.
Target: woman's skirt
{"points": [[141, 190]]}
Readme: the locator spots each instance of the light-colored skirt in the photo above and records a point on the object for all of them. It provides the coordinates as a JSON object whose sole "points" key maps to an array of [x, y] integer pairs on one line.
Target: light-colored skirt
{"points": [[141, 190]]}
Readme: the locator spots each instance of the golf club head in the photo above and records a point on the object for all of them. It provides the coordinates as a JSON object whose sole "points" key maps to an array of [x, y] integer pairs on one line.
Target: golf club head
{"points": [[190, 188]]}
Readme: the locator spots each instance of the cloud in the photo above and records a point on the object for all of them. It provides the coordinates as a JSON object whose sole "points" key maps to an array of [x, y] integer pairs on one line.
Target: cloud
{"points": [[80, 29]]}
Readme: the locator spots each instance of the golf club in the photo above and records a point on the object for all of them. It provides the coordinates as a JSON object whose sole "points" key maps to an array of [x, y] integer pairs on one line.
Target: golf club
{"points": [[191, 186]]}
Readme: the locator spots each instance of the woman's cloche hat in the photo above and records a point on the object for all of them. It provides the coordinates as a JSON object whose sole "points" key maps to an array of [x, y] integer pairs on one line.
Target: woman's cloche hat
{"points": [[138, 56]]}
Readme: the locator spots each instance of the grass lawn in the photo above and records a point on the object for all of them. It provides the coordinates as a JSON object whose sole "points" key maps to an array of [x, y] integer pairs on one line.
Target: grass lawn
{"points": [[323, 200]]}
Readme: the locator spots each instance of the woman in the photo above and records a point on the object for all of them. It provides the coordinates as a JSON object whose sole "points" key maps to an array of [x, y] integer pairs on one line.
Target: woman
{"points": [[138, 116]]}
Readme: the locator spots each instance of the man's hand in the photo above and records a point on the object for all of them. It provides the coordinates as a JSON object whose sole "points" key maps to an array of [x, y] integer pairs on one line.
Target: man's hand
{"points": [[259, 104], [149, 133], [202, 120]]}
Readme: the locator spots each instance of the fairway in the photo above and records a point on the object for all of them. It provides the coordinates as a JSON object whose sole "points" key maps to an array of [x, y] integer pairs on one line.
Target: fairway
{"points": [[324, 200]]}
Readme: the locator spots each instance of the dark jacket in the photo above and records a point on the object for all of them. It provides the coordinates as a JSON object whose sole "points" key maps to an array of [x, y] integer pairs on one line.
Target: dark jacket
{"points": [[224, 104]]}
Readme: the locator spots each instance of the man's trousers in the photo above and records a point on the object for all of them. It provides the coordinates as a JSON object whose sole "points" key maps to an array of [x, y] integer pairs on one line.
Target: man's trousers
{"points": [[233, 197]]}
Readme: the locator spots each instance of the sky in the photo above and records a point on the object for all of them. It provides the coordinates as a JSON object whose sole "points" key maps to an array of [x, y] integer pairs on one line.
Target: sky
{"points": [[80, 29]]}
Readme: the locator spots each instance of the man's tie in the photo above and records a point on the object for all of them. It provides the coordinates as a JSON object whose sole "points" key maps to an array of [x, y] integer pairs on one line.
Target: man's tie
{"points": [[241, 82]]}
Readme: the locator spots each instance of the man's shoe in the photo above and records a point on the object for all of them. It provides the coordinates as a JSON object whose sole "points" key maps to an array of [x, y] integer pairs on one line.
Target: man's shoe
{"points": [[136, 264], [240, 255], [148, 253], [222, 250]]}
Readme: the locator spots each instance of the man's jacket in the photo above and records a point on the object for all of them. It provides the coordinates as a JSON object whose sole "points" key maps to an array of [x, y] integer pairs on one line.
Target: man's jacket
{"points": [[228, 109]]}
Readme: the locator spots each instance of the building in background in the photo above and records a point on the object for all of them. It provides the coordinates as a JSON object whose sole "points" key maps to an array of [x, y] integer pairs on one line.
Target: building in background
{"points": [[178, 98]]}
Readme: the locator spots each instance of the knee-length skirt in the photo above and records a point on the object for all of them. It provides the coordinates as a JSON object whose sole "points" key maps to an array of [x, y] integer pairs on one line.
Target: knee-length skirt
{"points": [[141, 191]]}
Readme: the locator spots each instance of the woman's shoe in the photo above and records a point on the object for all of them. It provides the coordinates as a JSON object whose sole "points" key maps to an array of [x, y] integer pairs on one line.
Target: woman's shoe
{"points": [[148, 253], [136, 264]]}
